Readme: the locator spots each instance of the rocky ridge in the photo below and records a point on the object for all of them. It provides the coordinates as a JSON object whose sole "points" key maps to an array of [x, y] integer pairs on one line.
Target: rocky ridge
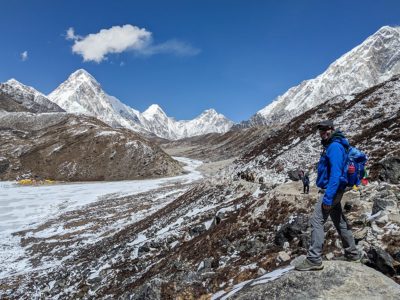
{"points": [[62, 146], [14, 96]]}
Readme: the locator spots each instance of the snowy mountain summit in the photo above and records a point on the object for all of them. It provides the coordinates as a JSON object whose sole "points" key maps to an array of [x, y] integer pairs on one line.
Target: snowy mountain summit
{"points": [[82, 94], [374, 61]]}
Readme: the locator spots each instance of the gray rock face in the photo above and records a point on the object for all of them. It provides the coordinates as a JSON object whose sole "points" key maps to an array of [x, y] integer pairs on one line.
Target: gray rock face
{"points": [[390, 170], [338, 280]]}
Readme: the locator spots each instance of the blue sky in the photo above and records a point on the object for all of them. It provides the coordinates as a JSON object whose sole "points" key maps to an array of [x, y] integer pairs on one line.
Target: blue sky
{"points": [[187, 56]]}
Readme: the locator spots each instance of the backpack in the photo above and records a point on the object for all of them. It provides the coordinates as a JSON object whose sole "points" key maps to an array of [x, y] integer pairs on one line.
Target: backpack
{"points": [[354, 167]]}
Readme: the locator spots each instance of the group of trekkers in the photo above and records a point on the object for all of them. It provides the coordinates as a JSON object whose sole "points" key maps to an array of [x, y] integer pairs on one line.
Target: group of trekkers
{"points": [[338, 169]]}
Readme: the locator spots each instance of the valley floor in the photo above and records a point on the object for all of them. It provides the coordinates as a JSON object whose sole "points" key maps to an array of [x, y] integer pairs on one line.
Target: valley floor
{"points": [[40, 226]]}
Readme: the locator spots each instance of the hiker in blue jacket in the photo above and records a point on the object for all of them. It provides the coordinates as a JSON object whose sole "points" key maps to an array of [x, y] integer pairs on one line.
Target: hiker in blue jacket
{"points": [[330, 167]]}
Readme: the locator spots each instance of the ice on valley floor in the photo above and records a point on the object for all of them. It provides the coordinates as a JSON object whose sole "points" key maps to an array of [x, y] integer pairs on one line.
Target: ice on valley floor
{"points": [[23, 207]]}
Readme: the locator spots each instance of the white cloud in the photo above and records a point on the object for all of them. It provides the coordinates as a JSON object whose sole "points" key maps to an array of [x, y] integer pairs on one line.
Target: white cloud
{"points": [[24, 56], [118, 39], [71, 34]]}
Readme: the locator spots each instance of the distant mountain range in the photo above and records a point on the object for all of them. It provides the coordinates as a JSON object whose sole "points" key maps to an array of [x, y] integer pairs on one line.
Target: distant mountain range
{"points": [[82, 94], [374, 61]]}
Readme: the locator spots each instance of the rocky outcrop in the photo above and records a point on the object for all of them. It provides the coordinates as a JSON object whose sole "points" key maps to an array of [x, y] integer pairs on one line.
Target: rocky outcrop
{"points": [[62, 146], [390, 170], [14, 97], [338, 280]]}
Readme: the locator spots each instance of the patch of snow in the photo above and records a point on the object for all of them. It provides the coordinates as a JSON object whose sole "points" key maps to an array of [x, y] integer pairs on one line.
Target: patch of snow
{"points": [[222, 295], [25, 207]]}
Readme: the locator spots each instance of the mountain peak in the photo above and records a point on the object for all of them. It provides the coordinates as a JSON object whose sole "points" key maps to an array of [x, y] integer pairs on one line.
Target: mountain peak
{"points": [[387, 28], [82, 75], [80, 72], [13, 81], [210, 111], [153, 109]]}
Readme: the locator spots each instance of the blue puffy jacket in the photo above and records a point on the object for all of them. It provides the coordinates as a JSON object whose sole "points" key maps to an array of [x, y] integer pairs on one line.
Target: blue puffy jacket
{"points": [[331, 165]]}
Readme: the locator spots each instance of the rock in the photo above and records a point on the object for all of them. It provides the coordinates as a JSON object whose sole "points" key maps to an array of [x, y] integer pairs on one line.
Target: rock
{"points": [[144, 249], [294, 175], [149, 291], [283, 256], [291, 230], [382, 220], [390, 170], [376, 229], [329, 256], [352, 281], [286, 245], [360, 234], [383, 204], [4, 164], [381, 260], [197, 230], [261, 271], [206, 265], [350, 199], [394, 218], [297, 260]]}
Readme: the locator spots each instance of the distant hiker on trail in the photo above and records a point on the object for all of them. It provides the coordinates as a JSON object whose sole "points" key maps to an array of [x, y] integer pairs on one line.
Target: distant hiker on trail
{"points": [[330, 168], [306, 183]]}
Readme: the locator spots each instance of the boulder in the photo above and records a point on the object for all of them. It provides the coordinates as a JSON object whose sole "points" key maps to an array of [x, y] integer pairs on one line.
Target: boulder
{"points": [[381, 260], [390, 170], [4, 164], [294, 175], [337, 280], [291, 230], [383, 204]]}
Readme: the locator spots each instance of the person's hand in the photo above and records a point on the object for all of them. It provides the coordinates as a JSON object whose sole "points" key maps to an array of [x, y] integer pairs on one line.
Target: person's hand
{"points": [[326, 207]]}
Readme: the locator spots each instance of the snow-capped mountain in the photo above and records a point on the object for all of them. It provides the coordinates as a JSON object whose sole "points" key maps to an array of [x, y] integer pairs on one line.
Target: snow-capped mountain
{"points": [[82, 94], [160, 124], [375, 60], [28, 97]]}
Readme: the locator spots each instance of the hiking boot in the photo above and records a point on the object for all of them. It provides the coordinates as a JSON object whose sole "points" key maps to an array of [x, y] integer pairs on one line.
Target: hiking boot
{"points": [[307, 265]]}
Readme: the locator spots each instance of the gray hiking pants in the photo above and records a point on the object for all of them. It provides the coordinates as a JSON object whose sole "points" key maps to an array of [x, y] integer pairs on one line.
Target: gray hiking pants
{"points": [[317, 229]]}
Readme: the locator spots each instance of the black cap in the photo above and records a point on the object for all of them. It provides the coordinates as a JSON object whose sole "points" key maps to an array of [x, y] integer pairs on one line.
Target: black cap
{"points": [[326, 124]]}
